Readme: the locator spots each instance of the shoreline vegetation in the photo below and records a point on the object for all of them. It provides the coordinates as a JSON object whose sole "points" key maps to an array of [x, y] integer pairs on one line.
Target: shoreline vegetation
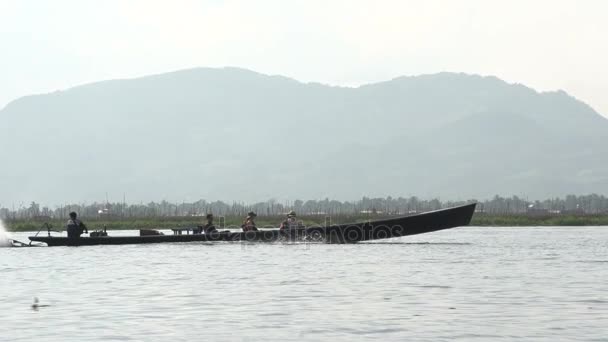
{"points": [[234, 222], [571, 210]]}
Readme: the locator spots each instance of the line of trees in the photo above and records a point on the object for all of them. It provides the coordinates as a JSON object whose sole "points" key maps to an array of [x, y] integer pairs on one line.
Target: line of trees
{"points": [[587, 204]]}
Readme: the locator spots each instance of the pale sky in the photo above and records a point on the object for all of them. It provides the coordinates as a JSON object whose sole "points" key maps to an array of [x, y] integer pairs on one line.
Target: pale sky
{"points": [[544, 44]]}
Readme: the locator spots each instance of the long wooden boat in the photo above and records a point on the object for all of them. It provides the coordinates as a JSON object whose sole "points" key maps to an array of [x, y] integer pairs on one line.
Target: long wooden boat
{"points": [[342, 233]]}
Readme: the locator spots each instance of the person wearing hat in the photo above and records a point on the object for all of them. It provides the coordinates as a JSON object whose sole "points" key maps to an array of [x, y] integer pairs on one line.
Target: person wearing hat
{"points": [[209, 227], [290, 223], [75, 227], [249, 224]]}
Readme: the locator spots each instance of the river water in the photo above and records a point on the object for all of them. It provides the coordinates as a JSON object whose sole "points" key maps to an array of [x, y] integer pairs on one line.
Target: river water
{"points": [[467, 284]]}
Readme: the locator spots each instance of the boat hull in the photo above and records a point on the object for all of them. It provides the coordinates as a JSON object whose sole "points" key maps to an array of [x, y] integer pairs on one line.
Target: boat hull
{"points": [[343, 233]]}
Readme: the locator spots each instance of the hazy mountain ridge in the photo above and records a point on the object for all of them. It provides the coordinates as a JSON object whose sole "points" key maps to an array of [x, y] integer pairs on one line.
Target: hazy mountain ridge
{"points": [[235, 134]]}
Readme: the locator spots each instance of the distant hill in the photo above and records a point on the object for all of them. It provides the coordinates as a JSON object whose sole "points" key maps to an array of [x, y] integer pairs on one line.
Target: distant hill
{"points": [[234, 134]]}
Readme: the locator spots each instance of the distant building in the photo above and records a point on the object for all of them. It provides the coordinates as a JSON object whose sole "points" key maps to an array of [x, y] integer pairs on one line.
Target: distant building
{"points": [[373, 211], [103, 212], [533, 210]]}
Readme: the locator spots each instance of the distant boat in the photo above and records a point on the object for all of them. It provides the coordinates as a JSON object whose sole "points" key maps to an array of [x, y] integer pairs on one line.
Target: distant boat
{"points": [[343, 233]]}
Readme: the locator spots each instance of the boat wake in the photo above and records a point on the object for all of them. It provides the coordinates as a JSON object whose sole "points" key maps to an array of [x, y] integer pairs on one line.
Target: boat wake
{"points": [[5, 240], [417, 243]]}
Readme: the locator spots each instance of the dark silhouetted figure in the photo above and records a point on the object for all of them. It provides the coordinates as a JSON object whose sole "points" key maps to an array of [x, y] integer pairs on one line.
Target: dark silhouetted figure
{"points": [[75, 227], [209, 227]]}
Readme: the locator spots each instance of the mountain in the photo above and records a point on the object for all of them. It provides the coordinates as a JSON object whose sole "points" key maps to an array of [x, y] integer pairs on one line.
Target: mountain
{"points": [[235, 134]]}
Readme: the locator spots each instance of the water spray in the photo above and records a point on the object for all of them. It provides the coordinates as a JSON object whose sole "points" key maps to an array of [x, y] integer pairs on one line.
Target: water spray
{"points": [[5, 240]]}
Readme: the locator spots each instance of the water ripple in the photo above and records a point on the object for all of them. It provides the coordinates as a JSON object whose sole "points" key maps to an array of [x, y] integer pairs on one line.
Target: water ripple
{"points": [[451, 285]]}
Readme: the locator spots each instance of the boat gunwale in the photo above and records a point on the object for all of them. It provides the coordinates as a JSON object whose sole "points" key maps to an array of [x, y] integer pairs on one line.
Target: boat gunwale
{"points": [[397, 218], [267, 234]]}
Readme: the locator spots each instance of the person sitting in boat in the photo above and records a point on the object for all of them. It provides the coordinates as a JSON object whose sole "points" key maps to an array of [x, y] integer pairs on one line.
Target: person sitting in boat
{"points": [[209, 227], [75, 227], [249, 224], [290, 223]]}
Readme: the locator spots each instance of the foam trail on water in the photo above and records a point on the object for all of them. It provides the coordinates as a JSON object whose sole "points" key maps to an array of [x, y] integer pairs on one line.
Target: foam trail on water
{"points": [[4, 237]]}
